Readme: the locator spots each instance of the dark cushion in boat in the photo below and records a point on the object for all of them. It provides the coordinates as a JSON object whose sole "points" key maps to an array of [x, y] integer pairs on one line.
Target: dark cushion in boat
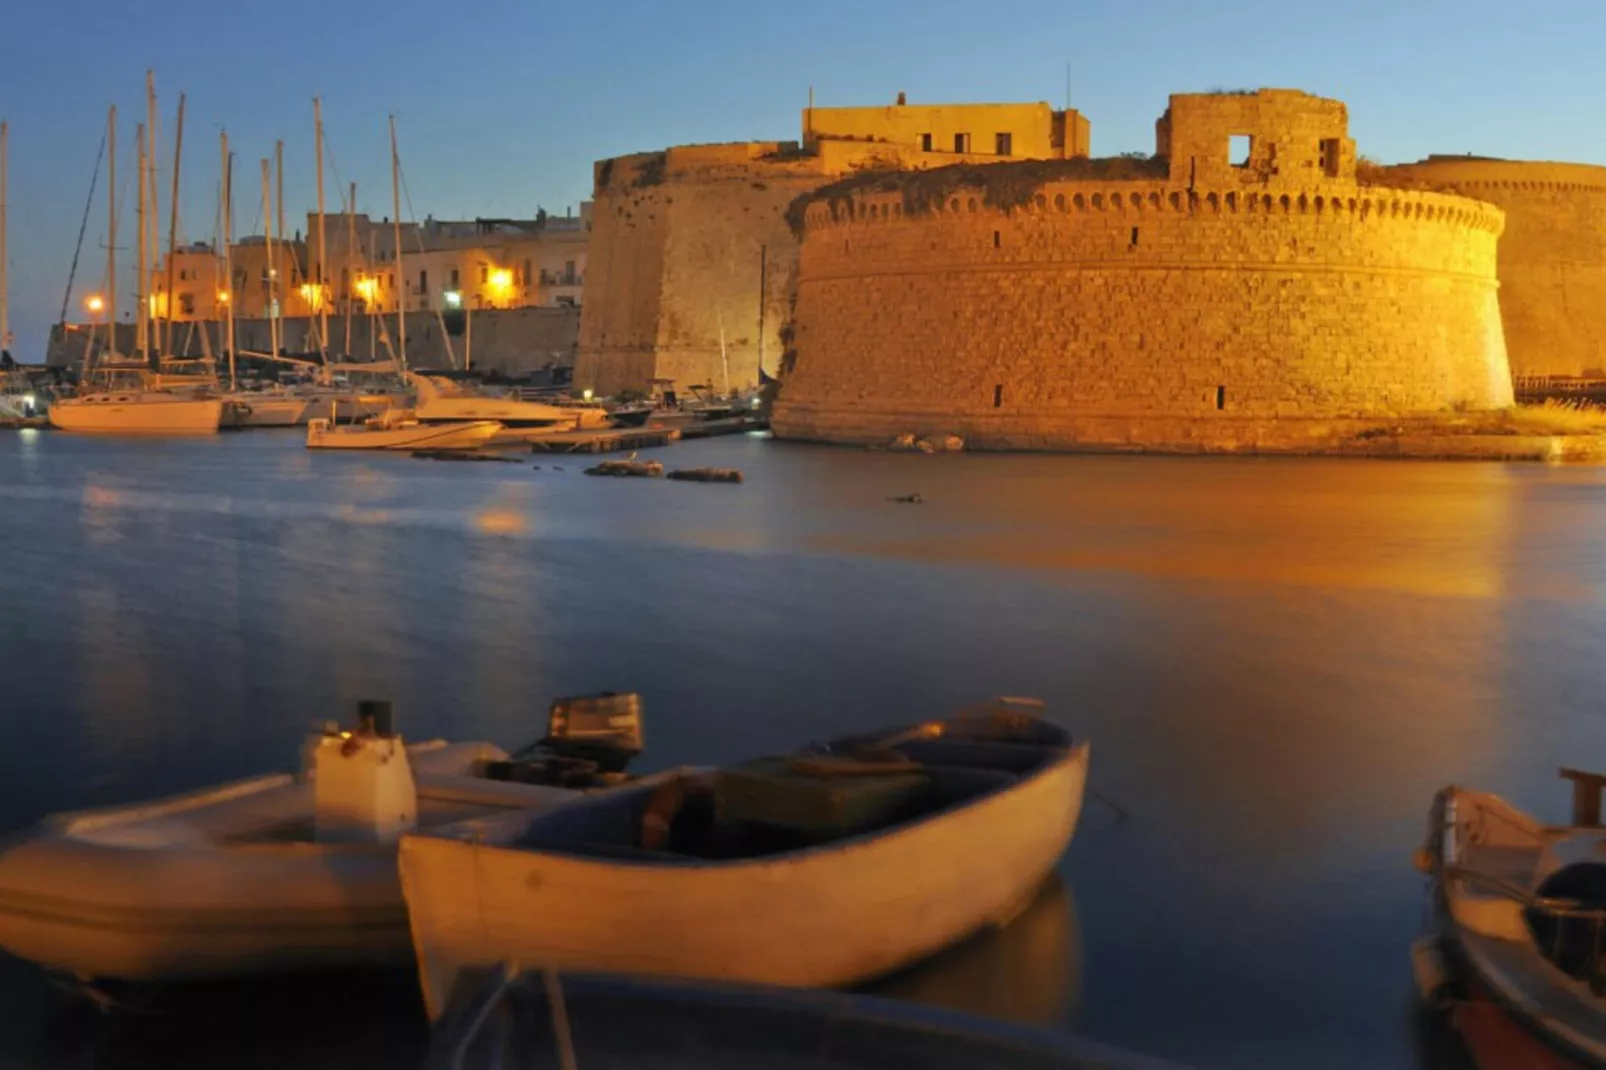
{"points": [[771, 792], [1573, 943], [976, 754], [1583, 881]]}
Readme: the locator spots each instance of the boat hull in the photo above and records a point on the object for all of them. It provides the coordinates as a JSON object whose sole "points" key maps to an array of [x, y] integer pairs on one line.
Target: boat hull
{"points": [[191, 888], [269, 411], [832, 916], [1515, 1001], [138, 414], [322, 436]]}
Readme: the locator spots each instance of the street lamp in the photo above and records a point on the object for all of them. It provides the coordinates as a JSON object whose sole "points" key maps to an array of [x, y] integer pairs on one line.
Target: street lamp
{"points": [[454, 298], [95, 303]]}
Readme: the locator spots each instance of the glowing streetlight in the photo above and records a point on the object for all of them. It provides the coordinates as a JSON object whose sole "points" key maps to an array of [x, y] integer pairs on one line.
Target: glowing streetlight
{"points": [[502, 279], [223, 297], [95, 303], [454, 299]]}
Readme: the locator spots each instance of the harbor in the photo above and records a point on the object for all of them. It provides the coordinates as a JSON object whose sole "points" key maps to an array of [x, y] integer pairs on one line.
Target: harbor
{"points": [[163, 590], [702, 549]]}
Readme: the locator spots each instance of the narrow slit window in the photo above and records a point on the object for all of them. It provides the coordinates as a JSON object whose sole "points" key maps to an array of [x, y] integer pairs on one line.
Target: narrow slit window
{"points": [[1330, 157], [1221, 398], [1134, 235], [998, 240], [1238, 148], [998, 396]]}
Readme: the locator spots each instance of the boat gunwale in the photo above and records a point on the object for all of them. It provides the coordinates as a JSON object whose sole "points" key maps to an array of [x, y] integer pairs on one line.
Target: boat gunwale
{"points": [[1076, 754]]}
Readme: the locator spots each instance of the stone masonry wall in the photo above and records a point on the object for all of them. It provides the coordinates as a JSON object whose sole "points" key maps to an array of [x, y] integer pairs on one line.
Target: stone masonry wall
{"points": [[1142, 314], [1552, 254], [675, 260]]}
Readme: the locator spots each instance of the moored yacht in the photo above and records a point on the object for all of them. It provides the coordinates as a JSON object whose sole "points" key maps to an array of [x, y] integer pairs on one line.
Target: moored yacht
{"points": [[441, 401]]}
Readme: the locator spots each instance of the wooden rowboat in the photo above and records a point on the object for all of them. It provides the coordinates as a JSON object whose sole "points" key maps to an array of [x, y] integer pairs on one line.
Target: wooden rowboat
{"points": [[1520, 924], [826, 868]]}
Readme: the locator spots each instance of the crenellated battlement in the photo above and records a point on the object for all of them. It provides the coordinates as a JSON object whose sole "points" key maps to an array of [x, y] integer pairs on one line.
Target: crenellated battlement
{"points": [[828, 209]]}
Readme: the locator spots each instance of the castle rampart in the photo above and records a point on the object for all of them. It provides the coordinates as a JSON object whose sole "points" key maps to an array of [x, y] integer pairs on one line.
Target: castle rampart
{"points": [[1552, 257], [1186, 304]]}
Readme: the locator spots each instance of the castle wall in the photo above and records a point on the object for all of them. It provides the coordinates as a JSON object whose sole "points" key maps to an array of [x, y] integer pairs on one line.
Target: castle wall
{"points": [[1552, 254], [675, 258], [1141, 314], [1036, 130]]}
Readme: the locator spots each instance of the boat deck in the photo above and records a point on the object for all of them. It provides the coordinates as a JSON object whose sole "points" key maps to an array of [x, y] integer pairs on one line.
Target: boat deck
{"points": [[605, 440]]}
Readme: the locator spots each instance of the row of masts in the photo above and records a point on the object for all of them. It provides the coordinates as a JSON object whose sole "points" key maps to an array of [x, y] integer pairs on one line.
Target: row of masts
{"points": [[150, 340]]}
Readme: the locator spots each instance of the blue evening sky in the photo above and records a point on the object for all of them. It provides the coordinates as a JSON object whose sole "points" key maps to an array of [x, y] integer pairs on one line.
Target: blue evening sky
{"points": [[502, 105]]}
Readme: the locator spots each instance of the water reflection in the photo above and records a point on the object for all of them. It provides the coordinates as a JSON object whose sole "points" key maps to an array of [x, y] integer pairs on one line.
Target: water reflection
{"points": [[1029, 971]]}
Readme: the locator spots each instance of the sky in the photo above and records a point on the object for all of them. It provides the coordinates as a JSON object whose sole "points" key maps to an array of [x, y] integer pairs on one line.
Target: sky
{"points": [[502, 105]]}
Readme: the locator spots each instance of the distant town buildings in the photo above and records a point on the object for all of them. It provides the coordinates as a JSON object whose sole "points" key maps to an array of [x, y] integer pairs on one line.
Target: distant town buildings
{"points": [[446, 265]]}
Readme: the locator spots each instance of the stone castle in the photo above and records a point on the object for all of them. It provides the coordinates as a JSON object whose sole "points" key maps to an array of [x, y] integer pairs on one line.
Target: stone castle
{"points": [[970, 270]]}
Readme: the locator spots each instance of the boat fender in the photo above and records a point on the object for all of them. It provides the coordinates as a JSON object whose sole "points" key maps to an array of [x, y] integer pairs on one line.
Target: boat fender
{"points": [[1431, 970]]}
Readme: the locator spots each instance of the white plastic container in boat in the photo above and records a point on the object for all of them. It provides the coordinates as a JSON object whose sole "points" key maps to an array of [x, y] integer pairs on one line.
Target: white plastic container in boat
{"points": [[276, 873]]}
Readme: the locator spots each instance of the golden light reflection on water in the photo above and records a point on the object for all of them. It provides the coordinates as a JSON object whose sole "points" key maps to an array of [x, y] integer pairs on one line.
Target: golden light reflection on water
{"points": [[1363, 529]]}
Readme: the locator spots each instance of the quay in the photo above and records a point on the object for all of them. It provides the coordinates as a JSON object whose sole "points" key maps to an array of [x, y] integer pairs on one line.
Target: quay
{"points": [[605, 440]]}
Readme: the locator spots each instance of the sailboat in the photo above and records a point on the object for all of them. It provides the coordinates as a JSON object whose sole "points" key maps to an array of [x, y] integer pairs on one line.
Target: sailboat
{"points": [[16, 393], [133, 402]]}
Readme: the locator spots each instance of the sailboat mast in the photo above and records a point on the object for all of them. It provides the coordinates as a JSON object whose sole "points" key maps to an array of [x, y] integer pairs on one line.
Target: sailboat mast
{"points": [[322, 271], [153, 225], [401, 277], [278, 222], [141, 272], [226, 293], [351, 252], [5, 310], [172, 223], [111, 231], [272, 272]]}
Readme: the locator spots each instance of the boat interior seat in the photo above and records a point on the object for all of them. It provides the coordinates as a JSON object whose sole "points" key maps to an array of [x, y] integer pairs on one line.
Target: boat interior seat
{"points": [[980, 754]]}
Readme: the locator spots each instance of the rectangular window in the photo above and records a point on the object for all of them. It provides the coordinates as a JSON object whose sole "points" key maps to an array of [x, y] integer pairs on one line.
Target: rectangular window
{"points": [[961, 142], [568, 273], [1330, 157], [1134, 235], [527, 279], [423, 282], [925, 142], [455, 284], [186, 304], [485, 274], [1003, 144], [998, 239], [1239, 147], [1221, 398], [998, 396]]}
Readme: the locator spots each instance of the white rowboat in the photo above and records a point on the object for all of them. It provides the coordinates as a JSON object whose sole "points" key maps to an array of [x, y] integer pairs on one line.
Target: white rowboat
{"points": [[968, 818]]}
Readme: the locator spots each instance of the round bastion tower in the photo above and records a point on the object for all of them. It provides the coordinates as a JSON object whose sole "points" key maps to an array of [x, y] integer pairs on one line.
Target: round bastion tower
{"points": [[1239, 291], [1552, 254]]}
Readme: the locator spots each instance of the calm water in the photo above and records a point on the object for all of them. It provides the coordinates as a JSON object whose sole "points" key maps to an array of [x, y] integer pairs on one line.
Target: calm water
{"points": [[1277, 663]]}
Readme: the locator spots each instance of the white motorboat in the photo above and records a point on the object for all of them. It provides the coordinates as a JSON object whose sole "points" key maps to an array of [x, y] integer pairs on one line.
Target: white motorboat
{"points": [[398, 430], [277, 873], [1519, 912], [818, 869], [442, 401], [263, 408], [138, 411]]}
